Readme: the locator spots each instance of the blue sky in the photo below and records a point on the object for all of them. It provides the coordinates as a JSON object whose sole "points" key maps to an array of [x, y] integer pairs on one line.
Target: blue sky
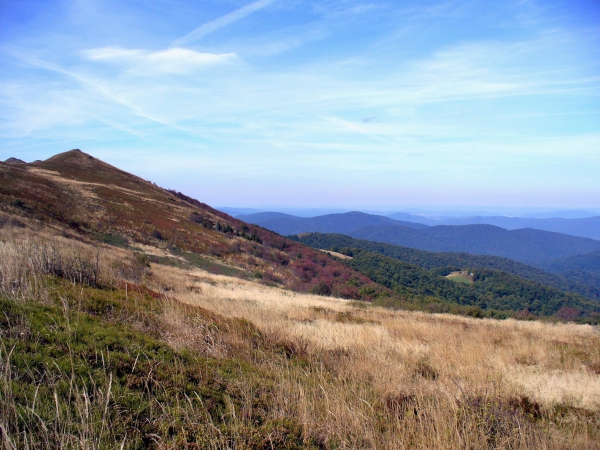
{"points": [[331, 103]]}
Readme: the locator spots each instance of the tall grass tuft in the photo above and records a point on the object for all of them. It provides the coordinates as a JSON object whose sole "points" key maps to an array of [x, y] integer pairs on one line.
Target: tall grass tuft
{"points": [[24, 264]]}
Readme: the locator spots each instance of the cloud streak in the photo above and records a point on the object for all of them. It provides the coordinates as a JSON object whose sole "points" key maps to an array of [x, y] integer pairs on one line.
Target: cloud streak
{"points": [[223, 21]]}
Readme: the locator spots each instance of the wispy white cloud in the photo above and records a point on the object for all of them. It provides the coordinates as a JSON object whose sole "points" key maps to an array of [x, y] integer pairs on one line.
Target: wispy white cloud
{"points": [[169, 61], [223, 21]]}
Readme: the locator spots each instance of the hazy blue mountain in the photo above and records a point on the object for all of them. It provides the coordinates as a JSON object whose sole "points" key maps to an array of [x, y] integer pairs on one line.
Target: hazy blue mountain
{"points": [[257, 218], [331, 223], [575, 223], [406, 217], [234, 212], [564, 214], [586, 227], [525, 245], [404, 236]]}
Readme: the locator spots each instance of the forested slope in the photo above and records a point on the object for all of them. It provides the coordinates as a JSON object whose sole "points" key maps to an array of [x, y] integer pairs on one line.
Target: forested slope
{"points": [[491, 290], [454, 260]]}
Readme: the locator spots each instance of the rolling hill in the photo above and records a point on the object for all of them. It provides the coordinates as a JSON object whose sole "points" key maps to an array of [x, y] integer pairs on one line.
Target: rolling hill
{"points": [[525, 245], [87, 199]]}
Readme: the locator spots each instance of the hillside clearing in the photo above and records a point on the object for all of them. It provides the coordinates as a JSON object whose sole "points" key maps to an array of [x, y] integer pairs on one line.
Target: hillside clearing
{"points": [[460, 277]]}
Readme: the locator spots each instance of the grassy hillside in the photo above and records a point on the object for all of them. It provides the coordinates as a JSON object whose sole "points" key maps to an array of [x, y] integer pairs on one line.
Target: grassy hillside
{"points": [[88, 199], [99, 349], [454, 261]]}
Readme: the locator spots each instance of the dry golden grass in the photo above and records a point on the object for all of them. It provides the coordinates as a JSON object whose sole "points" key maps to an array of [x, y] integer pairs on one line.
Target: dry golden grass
{"points": [[548, 362], [437, 363]]}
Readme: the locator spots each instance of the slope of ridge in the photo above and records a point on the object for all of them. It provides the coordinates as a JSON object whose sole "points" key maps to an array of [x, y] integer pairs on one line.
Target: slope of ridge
{"points": [[584, 268], [452, 260], [586, 261], [329, 223], [524, 245], [91, 199]]}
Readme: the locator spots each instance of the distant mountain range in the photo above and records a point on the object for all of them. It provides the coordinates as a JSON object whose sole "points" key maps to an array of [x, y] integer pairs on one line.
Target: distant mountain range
{"points": [[477, 216], [580, 223], [525, 245], [584, 227]]}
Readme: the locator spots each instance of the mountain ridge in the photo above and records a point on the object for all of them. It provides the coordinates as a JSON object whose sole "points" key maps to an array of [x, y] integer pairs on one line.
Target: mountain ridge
{"points": [[525, 245], [286, 224]]}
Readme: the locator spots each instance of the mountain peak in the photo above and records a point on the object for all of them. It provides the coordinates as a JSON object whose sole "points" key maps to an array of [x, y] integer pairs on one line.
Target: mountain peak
{"points": [[74, 155], [14, 161]]}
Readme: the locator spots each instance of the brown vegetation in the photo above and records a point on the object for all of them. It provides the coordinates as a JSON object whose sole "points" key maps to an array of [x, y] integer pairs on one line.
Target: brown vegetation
{"points": [[84, 197]]}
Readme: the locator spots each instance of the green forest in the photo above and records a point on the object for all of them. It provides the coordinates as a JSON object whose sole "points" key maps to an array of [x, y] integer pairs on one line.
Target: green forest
{"points": [[492, 292]]}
